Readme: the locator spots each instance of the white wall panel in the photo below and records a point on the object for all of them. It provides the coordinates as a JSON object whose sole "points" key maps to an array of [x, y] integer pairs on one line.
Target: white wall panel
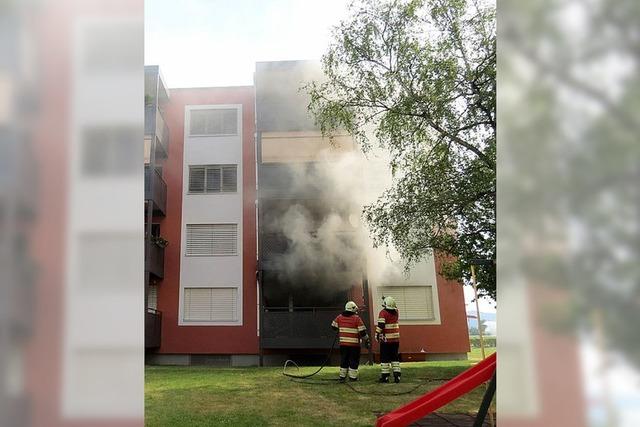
{"points": [[212, 208]]}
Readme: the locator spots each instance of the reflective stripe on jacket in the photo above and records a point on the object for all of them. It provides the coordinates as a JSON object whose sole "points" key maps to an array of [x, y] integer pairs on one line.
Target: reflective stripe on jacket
{"points": [[350, 329], [388, 325]]}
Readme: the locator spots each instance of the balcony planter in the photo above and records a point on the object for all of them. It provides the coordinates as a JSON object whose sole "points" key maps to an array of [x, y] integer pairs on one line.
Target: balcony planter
{"points": [[160, 242]]}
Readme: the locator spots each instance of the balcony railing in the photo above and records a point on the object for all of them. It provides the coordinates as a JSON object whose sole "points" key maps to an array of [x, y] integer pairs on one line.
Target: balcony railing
{"points": [[156, 193], [152, 328], [303, 327], [275, 246], [155, 126], [155, 259]]}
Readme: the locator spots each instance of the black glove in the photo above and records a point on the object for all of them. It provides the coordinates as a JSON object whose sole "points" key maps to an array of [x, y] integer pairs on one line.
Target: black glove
{"points": [[367, 343]]}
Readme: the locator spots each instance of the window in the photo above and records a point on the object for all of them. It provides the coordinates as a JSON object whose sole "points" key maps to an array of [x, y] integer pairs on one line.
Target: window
{"points": [[213, 179], [110, 150], [210, 305], [212, 239], [414, 302], [219, 121], [152, 301]]}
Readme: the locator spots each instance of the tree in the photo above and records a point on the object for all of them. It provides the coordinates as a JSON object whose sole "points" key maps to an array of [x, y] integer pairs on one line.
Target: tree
{"points": [[417, 77], [473, 330]]}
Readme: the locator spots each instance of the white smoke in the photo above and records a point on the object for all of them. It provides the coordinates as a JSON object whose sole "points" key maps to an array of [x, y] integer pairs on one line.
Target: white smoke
{"points": [[328, 244]]}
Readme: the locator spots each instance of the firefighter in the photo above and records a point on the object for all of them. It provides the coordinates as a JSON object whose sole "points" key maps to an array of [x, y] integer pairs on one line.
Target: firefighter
{"points": [[388, 335], [351, 331]]}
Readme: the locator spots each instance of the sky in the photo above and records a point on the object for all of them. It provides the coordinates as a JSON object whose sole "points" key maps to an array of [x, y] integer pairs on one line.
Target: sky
{"points": [[201, 43]]}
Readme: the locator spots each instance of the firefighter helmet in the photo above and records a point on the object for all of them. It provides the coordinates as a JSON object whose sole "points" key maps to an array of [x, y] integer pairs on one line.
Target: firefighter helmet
{"points": [[390, 303], [351, 306]]}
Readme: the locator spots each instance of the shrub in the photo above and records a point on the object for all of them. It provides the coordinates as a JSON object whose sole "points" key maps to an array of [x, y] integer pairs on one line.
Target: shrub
{"points": [[488, 341]]}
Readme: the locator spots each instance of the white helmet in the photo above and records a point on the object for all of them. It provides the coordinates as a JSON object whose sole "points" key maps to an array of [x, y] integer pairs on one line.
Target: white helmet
{"points": [[351, 306], [390, 303]]}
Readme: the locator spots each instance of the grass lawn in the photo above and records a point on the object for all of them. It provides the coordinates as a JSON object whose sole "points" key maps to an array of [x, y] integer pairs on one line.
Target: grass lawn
{"points": [[209, 396]]}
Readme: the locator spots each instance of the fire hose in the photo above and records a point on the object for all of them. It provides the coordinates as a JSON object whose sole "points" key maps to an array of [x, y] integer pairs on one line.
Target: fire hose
{"points": [[327, 381], [288, 362]]}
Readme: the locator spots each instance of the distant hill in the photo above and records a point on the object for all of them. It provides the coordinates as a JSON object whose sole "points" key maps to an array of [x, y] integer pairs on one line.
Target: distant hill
{"points": [[483, 315]]}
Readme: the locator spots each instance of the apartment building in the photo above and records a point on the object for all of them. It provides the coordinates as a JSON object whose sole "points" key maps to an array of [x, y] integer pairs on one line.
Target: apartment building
{"points": [[263, 251]]}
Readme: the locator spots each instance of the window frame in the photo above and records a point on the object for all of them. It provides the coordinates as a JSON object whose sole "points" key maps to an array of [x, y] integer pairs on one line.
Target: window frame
{"points": [[435, 317], [237, 310], [206, 169], [215, 108], [186, 240]]}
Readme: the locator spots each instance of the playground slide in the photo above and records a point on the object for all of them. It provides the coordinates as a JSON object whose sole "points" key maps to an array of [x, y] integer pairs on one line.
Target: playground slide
{"points": [[451, 390]]}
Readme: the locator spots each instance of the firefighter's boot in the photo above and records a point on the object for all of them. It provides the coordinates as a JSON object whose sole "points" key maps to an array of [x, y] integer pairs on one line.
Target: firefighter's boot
{"points": [[395, 366], [385, 372], [396, 377], [343, 375]]}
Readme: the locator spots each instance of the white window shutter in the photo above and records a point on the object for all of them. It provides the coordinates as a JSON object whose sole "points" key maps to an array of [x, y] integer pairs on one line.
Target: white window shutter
{"points": [[197, 304], [215, 121], [214, 179], [230, 178], [225, 239], [210, 304], [196, 179], [198, 122], [224, 304], [418, 301], [230, 122], [414, 302], [212, 239]]}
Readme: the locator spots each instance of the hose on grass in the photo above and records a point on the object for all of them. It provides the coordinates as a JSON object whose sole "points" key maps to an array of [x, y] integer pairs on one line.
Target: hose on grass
{"points": [[291, 362], [400, 393], [330, 381], [327, 381]]}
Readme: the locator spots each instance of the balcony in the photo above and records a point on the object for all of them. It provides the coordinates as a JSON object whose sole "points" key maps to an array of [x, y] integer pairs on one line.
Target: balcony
{"points": [[275, 246], [287, 181], [156, 133], [156, 97], [301, 328], [154, 258], [152, 328], [155, 190]]}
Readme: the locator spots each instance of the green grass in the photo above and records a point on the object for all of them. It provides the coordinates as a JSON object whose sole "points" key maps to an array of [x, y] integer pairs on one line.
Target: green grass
{"points": [[476, 354], [208, 396]]}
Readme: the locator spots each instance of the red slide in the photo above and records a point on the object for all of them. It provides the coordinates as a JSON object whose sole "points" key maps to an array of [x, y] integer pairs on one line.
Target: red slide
{"points": [[451, 390]]}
